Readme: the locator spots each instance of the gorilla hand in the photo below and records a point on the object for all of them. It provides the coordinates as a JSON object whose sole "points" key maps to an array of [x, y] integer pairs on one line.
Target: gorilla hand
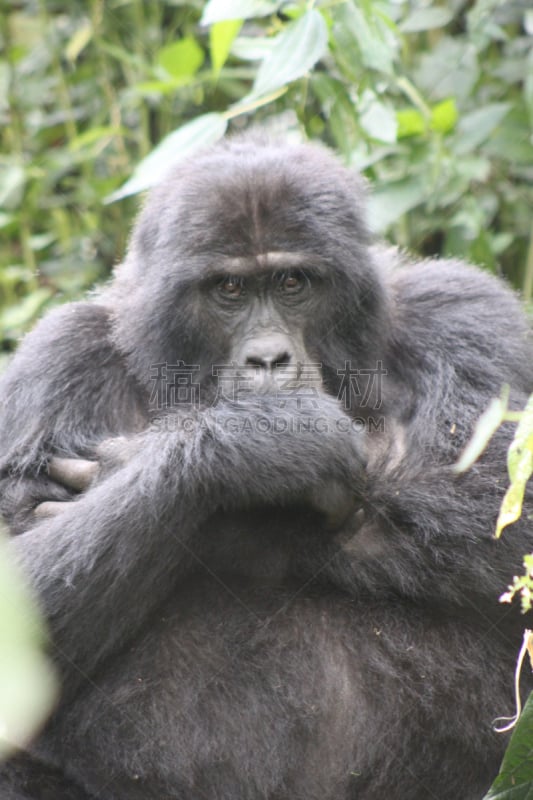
{"points": [[75, 474]]}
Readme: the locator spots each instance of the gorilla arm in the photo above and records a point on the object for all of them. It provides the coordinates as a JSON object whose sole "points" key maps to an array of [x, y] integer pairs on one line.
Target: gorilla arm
{"points": [[66, 389], [102, 566]]}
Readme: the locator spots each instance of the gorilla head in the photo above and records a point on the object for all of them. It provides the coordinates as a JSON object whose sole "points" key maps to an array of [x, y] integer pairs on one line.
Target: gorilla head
{"points": [[253, 255]]}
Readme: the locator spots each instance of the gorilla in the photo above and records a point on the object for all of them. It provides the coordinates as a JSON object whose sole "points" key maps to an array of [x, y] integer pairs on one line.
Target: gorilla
{"points": [[229, 479]]}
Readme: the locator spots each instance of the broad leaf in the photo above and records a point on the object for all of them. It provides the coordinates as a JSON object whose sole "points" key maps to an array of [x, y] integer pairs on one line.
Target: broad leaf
{"points": [[221, 36], [389, 202], [200, 132], [424, 19], [181, 59], [220, 10], [476, 127], [297, 49], [515, 781]]}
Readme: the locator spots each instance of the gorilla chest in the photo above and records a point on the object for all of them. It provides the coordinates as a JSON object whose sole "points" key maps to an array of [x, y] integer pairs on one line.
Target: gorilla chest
{"points": [[229, 669]]}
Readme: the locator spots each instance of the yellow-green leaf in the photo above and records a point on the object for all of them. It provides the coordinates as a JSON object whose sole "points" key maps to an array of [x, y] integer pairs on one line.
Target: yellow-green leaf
{"points": [[79, 41], [444, 116], [487, 424], [221, 36], [181, 59]]}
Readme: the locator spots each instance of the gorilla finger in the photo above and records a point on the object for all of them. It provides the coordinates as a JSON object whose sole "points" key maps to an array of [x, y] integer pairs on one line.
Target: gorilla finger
{"points": [[50, 508], [75, 473]]}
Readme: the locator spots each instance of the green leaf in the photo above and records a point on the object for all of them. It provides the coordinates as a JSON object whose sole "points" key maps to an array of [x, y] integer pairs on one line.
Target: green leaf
{"points": [[27, 682], [411, 122], [389, 202], [476, 127], [93, 135], [377, 51], [221, 36], [444, 116], [300, 45], [79, 41], [449, 69], [338, 108], [379, 121], [12, 183], [15, 318], [520, 466], [424, 19], [252, 48], [515, 781], [181, 59], [486, 426], [179, 144], [220, 10]]}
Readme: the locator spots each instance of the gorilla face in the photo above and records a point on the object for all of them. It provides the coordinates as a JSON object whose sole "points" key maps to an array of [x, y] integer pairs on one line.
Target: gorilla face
{"points": [[249, 259]]}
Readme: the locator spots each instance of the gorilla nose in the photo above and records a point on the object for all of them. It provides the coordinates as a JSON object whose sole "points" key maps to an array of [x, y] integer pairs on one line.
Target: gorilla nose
{"points": [[268, 353]]}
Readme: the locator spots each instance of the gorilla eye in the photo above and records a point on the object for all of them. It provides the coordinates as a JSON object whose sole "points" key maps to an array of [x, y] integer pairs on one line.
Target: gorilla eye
{"points": [[292, 282], [231, 287]]}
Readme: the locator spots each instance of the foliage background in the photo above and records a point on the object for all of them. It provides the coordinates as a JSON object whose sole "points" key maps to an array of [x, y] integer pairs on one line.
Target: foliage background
{"points": [[432, 101]]}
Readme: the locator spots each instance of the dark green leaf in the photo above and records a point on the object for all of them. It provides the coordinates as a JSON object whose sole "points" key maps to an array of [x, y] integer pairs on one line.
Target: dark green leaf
{"points": [[515, 781]]}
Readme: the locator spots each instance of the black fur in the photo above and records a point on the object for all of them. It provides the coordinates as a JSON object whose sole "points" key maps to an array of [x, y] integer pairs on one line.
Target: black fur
{"points": [[218, 636]]}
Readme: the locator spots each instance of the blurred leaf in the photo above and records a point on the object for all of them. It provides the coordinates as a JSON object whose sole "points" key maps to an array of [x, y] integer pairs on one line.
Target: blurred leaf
{"points": [[200, 132], [339, 110], [369, 37], [379, 121], [389, 202], [181, 59], [79, 41], [515, 781], [221, 37], [449, 69], [520, 466], [486, 426], [444, 116], [27, 683], [93, 135], [15, 318], [411, 122], [252, 48], [6, 219], [12, 183], [475, 127], [528, 85], [423, 19], [300, 45], [220, 10]]}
